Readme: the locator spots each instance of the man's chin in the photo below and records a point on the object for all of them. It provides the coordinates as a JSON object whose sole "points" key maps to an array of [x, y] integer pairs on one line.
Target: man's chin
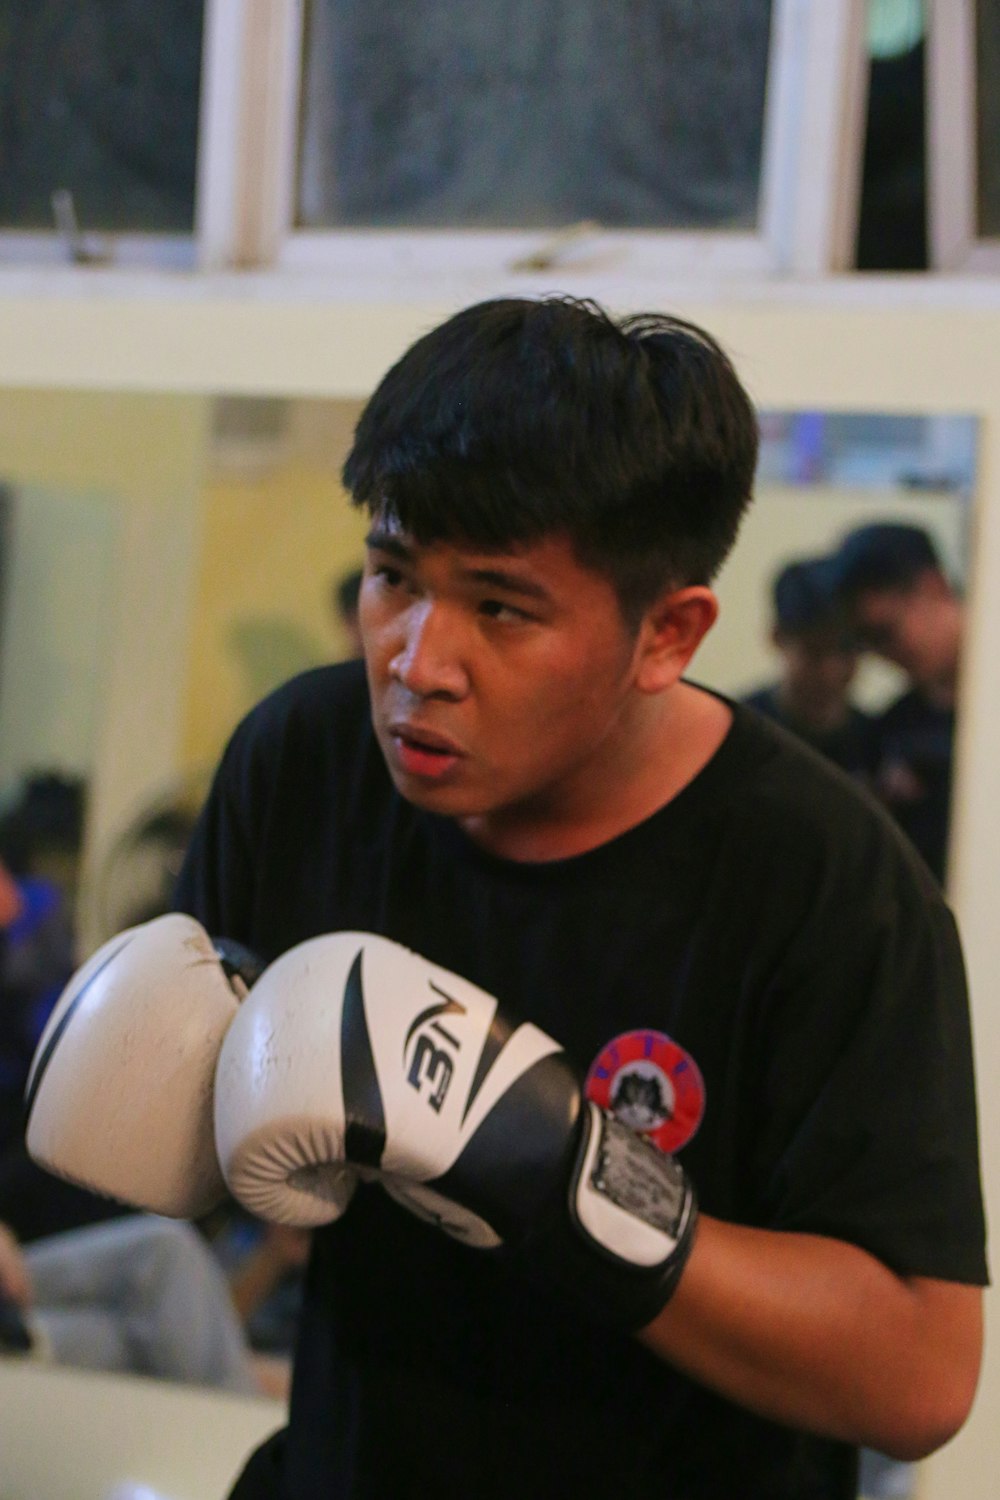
{"points": [[443, 797]]}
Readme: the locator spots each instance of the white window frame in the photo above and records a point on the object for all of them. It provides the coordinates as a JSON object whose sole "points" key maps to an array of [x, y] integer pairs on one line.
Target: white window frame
{"points": [[955, 242], [813, 140]]}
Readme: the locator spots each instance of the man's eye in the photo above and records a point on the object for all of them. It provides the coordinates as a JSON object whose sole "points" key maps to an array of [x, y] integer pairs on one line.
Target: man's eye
{"points": [[388, 576], [496, 609]]}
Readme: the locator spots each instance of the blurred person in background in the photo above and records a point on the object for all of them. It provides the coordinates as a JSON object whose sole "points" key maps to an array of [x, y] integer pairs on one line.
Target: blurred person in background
{"points": [[40, 842], [903, 607], [84, 1282], [817, 662], [138, 1295]]}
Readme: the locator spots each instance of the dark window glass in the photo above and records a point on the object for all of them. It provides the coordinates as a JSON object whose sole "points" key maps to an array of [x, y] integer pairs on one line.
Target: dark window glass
{"points": [[892, 215], [988, 117], [99, 97], [534, 113]]}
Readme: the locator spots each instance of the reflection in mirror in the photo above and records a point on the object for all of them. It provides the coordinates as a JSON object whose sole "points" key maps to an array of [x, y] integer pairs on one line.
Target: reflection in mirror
{"points": [[842, 607], [276, 539], [271, 541], [133, 636], [59, 560]]}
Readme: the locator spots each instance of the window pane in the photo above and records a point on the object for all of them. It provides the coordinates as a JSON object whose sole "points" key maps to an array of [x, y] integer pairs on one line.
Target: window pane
{"points": [[988, 116], [892, 217], [534, 113], [99, 97]]}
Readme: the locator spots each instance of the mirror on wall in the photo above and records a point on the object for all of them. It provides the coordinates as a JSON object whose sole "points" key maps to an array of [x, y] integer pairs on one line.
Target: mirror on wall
{"points": [[151, 595], [168, 560], [843, 602], [819, 476]]}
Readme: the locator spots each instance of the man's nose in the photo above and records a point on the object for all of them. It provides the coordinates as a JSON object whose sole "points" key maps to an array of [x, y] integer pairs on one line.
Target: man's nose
{"points": [[428, 661]]}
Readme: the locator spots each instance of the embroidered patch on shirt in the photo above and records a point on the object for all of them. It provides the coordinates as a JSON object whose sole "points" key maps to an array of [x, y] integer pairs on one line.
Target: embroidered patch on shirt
{"points": [[651, 1084]]}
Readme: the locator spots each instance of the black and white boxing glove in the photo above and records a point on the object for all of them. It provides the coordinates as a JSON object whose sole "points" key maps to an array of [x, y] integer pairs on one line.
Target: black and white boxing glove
{"points": [[352, 1053]]}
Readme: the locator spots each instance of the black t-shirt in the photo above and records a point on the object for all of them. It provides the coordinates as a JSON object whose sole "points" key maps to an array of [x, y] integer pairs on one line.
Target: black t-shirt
{"points": [[913, 772], [775, 933], [850, 745]]}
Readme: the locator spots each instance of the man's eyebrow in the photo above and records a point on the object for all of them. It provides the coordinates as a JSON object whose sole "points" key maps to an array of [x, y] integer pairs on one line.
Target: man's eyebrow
{"points": [[388, 541], [494, 578], [510, 583]]}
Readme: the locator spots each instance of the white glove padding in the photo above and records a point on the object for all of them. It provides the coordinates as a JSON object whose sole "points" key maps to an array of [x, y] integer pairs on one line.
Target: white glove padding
{"points": [[321, 1069], [119, 1097]]}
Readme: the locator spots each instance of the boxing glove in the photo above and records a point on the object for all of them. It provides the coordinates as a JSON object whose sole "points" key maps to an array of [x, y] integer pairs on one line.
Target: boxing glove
{"points": [[354, 1054], [119, 1096]]}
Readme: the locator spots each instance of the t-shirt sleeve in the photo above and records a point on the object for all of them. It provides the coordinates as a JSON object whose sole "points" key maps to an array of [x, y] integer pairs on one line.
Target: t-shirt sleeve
{"points": [[269, 860], [866, 1123], [216, 883]]}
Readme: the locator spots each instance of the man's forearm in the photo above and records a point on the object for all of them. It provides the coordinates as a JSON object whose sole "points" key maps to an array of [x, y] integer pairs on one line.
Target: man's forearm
{"points": [[818, 1334]]}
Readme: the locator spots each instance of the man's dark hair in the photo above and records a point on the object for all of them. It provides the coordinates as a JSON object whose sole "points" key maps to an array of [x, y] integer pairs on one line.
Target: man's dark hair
{"points": [[803, 596], [45, 817], [519, 419], [882, 555]]}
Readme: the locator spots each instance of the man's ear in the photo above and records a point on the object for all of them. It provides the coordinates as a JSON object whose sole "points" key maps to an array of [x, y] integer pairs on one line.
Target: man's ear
{"points": [[672, 629]]}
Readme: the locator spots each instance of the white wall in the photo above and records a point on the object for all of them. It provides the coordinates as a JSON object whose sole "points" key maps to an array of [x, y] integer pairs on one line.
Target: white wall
{"points": [[56, 619], [143, 456], [879, 344]]}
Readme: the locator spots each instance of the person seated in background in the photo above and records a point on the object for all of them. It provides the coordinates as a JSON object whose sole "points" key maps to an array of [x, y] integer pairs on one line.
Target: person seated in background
{"points": [[265, 1265], [817, 663], [902, 607], [40, 842], [36, 959], [137, 1295]]}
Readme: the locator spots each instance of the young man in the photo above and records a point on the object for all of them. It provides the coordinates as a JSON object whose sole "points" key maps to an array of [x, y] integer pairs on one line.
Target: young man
{"points": [[756, 984], [818, 660], [903, 608]]}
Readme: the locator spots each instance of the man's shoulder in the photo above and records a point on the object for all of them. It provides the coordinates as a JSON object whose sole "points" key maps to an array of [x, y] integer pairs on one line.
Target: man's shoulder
{"points": [[315, 728], [806, 810], [325, 701]]}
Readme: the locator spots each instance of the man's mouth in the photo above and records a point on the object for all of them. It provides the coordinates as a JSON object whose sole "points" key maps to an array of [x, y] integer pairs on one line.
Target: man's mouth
{"points": [[422, 752]]}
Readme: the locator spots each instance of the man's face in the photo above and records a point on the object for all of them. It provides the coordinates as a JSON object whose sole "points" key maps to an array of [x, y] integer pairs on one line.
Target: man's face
{"points": [[913, 626], [818, 664], [500, 682]]}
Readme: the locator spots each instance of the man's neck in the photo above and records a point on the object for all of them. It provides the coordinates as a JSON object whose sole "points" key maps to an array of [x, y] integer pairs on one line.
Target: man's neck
{"points": [[811, 715], [684, 730]]}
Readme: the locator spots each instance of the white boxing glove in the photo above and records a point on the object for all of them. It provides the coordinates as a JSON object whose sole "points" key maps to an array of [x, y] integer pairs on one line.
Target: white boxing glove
{"points": [[120, 1094], [312, 1083], [355, 1055]]}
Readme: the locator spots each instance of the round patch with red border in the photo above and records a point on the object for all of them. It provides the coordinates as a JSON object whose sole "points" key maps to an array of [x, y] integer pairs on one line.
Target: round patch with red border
{"points": [[651, 1084]]}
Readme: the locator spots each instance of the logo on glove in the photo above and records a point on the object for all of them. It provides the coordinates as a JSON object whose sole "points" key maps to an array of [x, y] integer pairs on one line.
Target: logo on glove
{"points": [[652, 1085], [430, 1062]]}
